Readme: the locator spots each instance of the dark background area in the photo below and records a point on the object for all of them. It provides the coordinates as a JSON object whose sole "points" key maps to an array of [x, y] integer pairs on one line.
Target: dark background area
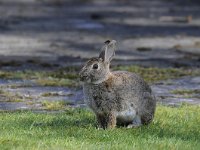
{"points": [[53, 33]]}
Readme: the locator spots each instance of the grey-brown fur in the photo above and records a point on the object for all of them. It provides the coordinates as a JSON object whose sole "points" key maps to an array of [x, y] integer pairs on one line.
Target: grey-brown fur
{"points": [[116, 98]]}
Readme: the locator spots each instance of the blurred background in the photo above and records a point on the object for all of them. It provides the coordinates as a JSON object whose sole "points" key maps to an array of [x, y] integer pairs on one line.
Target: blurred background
{"points": [[44, 43], [65, 32]]}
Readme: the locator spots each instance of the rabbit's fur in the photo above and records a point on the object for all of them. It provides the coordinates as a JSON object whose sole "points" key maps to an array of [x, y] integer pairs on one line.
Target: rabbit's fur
{"points": [[118, 97]]}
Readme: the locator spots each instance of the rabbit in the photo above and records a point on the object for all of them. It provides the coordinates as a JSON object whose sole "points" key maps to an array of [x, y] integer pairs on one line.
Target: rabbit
{"points": [[117, 98]]}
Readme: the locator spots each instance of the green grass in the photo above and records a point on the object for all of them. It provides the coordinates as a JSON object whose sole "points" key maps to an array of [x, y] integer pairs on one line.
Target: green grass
{"points": [[172, 128]]}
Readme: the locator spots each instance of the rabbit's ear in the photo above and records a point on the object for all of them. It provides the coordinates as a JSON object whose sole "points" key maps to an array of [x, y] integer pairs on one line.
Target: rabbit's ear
{"points": [[108, 51]]}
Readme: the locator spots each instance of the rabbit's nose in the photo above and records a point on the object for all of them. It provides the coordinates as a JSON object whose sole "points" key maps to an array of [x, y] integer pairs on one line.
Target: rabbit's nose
{"points": [[83, 77]]}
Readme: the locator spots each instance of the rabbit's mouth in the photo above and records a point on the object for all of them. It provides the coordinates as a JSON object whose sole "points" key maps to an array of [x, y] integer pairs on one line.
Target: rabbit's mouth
{"points": [[87, 79], [83, 78]]}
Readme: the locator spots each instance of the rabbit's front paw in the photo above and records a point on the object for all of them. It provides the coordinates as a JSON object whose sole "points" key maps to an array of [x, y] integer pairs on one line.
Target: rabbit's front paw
{"points": [[106, 121]]}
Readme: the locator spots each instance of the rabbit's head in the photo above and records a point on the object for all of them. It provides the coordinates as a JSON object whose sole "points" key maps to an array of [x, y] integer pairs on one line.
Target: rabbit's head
{"points": [[96, 70]]}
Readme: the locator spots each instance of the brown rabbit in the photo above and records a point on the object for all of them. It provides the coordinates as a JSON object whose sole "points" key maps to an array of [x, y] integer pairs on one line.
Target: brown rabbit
{"points": [[118, 97]]}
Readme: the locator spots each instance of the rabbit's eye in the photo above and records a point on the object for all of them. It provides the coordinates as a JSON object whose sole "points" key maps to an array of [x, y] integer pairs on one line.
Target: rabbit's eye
{"points": [[95, 66]]}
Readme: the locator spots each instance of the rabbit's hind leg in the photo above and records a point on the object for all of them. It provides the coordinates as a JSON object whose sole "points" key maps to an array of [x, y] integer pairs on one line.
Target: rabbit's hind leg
{"points": [[101, 121], [135, 123]]}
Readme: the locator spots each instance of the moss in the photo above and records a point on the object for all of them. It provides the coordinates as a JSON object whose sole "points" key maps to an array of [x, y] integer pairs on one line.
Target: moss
{"points": [[196, 91], [70, 72], [1, 91], [55, 105], [187, 93], [10, 97], [18, 74], [14, 100], [60, 77], [48, 94], [30, 103], [15, 86], [143, 49], [5, 74], [56, 82], [155, 74], [68, 76], [11, 63], [28, 74]]}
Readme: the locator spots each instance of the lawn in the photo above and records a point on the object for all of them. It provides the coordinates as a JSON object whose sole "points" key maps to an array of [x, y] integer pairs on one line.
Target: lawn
{"points": [[172, 128]]}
